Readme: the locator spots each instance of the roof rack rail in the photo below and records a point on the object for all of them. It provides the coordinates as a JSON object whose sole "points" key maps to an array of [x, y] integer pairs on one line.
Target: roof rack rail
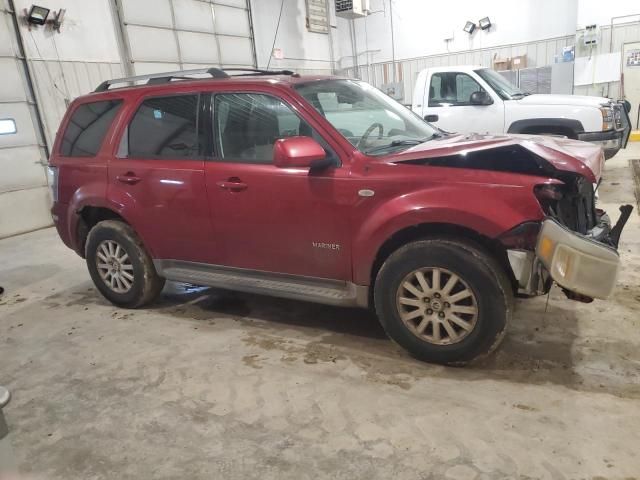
{"points": [[166, 77]]}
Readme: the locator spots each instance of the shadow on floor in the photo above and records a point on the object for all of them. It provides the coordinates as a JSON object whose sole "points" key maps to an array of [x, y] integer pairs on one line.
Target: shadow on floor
{"points": [[539, 348]]}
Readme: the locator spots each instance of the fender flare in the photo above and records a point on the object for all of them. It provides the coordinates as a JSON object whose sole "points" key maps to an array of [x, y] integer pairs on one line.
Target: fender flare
{"points": [[572, 124]]}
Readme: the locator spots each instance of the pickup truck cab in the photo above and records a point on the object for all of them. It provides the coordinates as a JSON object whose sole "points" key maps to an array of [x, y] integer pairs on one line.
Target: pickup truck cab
{"points": [[324, 189], [473, 99]]}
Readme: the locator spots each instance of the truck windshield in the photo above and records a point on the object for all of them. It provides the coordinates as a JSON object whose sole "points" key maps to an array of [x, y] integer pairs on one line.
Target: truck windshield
{"points": [[501, 85], [373, 122]]}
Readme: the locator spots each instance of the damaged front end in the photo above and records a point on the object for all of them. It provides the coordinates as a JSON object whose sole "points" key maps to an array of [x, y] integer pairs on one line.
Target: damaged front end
{"points": [[574, 245]]}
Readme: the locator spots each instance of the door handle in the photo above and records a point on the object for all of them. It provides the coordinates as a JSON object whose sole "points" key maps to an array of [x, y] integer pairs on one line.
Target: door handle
{"points": [[233, 186], [129, 178], [431, 118]]}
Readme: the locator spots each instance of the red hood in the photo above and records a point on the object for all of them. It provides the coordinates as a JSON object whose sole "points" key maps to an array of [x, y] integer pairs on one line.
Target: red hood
{"points": [[564, 154]]}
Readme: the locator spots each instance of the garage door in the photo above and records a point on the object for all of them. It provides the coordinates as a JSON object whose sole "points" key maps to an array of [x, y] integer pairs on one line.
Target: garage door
{"points": [[24, 195], [165, 35]]}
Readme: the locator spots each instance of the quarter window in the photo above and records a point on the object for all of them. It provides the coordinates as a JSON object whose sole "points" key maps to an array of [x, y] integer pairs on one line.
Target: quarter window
{"points": [[248, 124], [452, 89], [87, 127], [166, 127]]}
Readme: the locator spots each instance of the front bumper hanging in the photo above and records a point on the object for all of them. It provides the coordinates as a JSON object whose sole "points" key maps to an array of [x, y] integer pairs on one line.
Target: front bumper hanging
{"points": [[580, 263]]}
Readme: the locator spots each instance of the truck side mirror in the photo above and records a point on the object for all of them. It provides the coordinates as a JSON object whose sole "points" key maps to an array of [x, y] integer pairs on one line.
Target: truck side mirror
{"points": [[480, 98]]}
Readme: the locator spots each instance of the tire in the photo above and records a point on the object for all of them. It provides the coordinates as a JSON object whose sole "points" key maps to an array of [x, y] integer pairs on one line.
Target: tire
{"points": [[114, 250], [481, 286]]}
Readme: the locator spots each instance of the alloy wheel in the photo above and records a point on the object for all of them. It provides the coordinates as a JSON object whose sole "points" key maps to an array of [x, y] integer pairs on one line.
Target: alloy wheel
{"points": [[437, 305], [114, 266]]}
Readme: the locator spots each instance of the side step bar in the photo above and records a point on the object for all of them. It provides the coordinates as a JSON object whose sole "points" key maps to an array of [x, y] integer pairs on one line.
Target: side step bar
{"points": [[310, 289]]}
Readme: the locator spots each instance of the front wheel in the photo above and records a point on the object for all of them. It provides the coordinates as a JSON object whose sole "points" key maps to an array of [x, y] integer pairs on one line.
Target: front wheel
{"points": [[119, 265], [445, 301]]}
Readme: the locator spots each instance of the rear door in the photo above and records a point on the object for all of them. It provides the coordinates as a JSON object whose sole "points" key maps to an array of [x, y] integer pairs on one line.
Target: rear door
{"points": [[449, 106], [272, 219], [156, 178]]}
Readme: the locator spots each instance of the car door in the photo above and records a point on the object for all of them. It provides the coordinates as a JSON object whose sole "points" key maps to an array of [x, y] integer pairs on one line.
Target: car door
{"points": [[157, 181], [266, 218], [449, 105]]}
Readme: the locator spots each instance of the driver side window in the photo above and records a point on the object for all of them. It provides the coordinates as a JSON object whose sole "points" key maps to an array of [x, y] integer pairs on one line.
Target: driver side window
{"points": [[452, 89]]}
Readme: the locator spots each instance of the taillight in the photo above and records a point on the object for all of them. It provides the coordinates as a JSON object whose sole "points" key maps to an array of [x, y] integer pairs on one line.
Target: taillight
{"points": [[522, 237], [52, 179]]}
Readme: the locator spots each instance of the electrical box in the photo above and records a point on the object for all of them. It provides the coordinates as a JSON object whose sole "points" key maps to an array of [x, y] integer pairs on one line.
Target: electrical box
{"points": [[352, 8], [590, 37]]}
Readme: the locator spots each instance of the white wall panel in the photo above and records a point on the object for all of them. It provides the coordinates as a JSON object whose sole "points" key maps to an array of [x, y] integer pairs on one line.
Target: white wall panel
{"points": [[20, 169], [231, 21], [143, 68], [190, 15], [12, 82], [198, 47], [235, 51], [148, 12], [235, 3], [24, 210], [152, 44]]}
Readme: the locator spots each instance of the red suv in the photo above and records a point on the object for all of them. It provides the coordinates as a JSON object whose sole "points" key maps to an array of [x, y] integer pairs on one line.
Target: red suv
{"points": [[324, 189]]}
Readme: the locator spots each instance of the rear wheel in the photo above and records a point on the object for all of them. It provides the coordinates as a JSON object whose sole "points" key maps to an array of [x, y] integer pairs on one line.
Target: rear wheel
{"points": [[119, 265], [445, 301]]}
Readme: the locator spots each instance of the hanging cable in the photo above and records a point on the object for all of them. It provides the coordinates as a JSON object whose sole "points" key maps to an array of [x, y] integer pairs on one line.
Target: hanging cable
{"points": [[275, 35]]}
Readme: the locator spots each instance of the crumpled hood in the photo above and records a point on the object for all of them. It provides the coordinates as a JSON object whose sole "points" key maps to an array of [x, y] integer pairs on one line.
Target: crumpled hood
{"points": [[563, 154], [573, 100]]}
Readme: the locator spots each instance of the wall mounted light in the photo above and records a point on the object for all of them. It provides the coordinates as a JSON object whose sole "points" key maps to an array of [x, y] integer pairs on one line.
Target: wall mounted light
{"points": [[37, 15], [469, 27], [484, 23]]}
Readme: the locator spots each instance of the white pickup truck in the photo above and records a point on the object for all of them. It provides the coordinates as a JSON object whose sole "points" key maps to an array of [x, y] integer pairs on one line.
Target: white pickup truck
{"points": [[473, 99]]}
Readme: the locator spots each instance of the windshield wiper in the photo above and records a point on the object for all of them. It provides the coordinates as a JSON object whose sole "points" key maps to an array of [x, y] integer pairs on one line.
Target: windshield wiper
{"points": [[401, 143]]}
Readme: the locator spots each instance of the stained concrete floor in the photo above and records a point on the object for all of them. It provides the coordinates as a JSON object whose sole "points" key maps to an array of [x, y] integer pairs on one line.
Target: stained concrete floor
{"points": [[207, 384]]}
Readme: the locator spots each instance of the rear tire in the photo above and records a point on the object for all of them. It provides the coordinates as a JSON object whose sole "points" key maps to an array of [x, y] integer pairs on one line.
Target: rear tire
{"points": [[445, 301], [119, 265]]}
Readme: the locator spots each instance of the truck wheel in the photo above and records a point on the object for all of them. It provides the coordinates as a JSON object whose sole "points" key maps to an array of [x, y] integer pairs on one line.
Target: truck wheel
{"points": [[120, 266], [445, 301]]}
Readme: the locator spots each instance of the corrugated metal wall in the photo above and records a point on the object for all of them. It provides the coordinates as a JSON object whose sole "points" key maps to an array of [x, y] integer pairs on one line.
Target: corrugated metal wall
{"points": [[538, 54], [622, 33]]}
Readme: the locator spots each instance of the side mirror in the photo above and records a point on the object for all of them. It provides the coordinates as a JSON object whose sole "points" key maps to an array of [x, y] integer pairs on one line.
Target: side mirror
{"points": [[297, 152], [480, 98]]}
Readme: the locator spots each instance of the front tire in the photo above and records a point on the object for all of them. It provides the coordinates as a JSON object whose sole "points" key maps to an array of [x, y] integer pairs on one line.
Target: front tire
{"points": [[445, 301], [119, 265]]}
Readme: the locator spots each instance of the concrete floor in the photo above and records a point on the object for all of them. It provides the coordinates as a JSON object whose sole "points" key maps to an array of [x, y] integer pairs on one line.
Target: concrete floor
{"points": [[213, 385]]}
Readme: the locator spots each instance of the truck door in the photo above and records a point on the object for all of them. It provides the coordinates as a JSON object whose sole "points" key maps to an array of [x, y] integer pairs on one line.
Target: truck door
{"points": [[449, 106]]}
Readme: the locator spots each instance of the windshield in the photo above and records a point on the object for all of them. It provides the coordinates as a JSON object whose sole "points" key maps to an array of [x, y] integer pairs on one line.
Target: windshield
{"points": [[501, 85], [373, 122]]}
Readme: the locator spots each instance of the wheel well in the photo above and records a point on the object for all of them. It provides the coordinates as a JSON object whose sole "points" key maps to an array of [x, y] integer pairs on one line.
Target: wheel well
{"points": [[551, 130], [440, 230], [89, 217]]}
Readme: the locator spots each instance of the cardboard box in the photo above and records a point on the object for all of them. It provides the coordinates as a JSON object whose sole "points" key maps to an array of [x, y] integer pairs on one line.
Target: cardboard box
{"points": [[501, 64], [519, 62]]}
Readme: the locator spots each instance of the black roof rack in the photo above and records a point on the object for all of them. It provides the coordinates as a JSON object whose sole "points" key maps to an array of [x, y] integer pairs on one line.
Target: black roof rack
{"points": [[165, 77]]}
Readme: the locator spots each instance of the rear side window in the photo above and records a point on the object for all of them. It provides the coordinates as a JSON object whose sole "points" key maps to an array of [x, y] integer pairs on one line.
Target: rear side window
{"points": [[167, 127], [87, 128]]}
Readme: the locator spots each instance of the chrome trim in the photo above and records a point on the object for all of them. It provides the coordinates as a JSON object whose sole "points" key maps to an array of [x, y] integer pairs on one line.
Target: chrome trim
{"points": [[296, 287]]}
